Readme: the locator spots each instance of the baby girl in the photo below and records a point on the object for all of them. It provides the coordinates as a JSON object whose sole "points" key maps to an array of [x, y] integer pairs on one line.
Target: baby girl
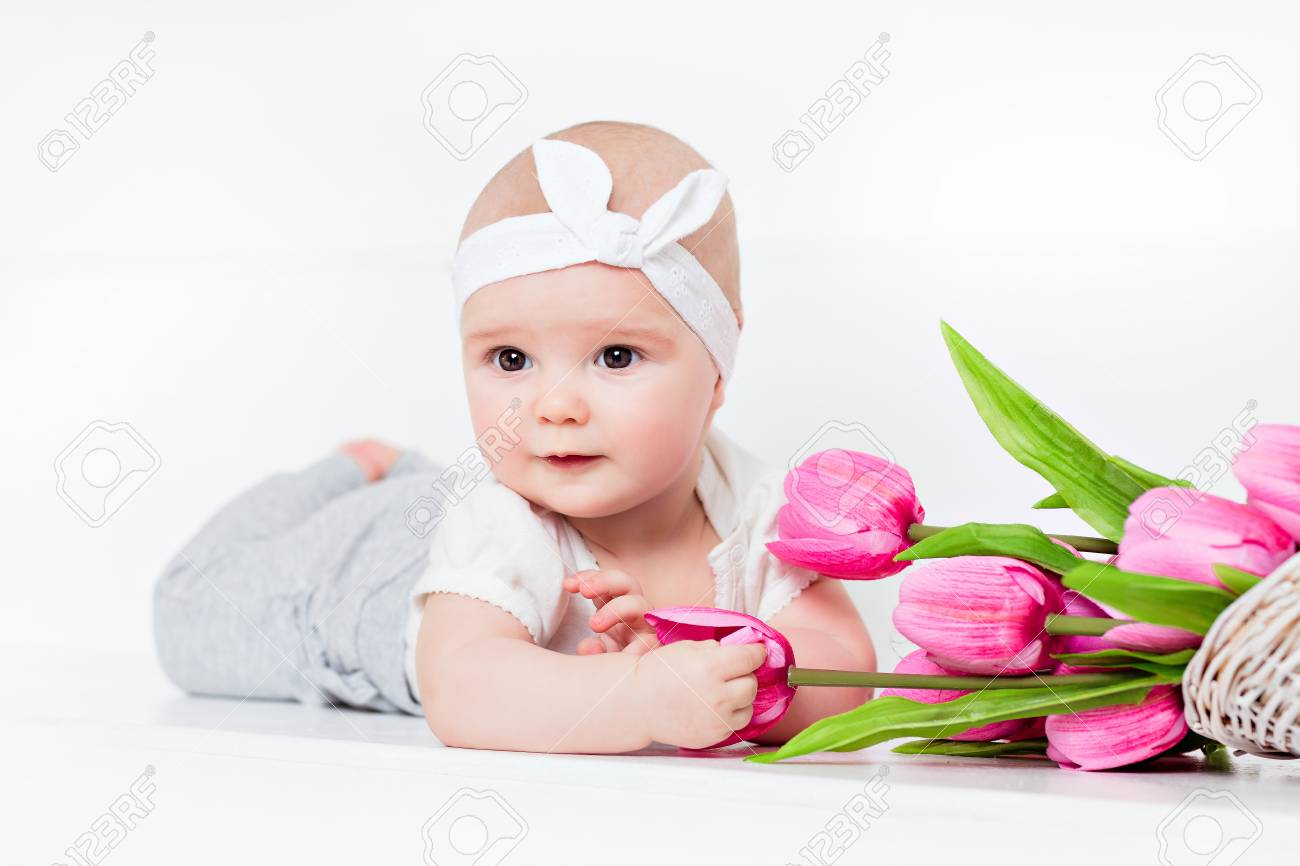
{"points": [[597, 284]]}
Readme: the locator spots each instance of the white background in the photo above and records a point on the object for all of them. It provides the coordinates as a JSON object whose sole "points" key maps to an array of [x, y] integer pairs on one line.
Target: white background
{"points": [[248, 262]]}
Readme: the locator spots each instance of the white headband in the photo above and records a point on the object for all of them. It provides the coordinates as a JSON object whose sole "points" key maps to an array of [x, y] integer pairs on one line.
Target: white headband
{"points": [[577, 184]]}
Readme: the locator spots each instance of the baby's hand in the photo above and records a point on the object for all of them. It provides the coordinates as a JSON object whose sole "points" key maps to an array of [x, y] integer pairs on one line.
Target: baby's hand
{"points": [[619, 620], [374, 457], [697, 692]]}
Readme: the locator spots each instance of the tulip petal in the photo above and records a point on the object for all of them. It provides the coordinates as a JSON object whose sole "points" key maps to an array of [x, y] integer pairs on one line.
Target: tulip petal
{"points": [[978, 614], [1059, 757], [1080, 605], [1270, 471], [1181, 532], [1286, 515], [868, 556], [1145, 637], [1116, 736]]}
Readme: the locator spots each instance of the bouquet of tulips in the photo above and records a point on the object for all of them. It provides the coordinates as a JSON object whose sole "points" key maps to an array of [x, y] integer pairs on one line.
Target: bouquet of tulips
{"points": [[1031, 644]]}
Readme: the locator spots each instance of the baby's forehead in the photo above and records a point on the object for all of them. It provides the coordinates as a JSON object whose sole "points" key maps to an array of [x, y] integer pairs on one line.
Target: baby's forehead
{"points": [[589, 299]]}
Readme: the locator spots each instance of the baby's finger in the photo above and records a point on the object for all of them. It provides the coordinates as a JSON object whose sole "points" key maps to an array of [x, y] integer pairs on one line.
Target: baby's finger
{"points": [[574, 582], [741, 659], [626, 609], [737, 719], [742, 690], [620, 633], [586, 583], [642, 643], [602, 586]]}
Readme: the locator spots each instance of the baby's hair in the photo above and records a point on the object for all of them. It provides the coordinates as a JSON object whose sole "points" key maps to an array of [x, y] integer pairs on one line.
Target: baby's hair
{"points": [[645, 162]]}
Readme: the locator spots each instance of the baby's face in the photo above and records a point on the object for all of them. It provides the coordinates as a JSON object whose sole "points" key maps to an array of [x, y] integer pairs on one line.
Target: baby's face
{"points": [[600, 364]]}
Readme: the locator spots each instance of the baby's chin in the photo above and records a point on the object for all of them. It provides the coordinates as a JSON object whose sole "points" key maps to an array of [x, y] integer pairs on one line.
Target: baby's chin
{"points": [[584, 494]]}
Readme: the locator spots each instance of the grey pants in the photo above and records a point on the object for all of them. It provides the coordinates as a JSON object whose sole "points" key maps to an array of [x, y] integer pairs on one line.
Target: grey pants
{"points": [[299, 588]]}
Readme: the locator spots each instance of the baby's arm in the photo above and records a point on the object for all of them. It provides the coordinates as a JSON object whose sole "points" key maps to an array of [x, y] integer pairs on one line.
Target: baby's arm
{"points": [[825, 630], [484, 684]]}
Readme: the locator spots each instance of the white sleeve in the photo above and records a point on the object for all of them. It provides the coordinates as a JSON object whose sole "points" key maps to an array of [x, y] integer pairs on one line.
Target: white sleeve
{"points": [[773, 582], [492, 546]]}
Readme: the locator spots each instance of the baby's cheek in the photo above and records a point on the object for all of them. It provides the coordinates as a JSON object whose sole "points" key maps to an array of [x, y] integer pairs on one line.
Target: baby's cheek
{"points": [[659, 432], [501, 428]]}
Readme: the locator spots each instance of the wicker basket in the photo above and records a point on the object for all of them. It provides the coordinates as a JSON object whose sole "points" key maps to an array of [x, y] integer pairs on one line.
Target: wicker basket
{"points": [[1242, 687]]}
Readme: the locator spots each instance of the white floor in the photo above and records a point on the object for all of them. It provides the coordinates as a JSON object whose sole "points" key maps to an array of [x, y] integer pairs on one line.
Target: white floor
{"points": [[217, 781]]}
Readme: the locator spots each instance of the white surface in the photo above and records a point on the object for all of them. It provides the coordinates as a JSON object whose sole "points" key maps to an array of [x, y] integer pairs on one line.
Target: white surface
{"points": [[270, 782]]}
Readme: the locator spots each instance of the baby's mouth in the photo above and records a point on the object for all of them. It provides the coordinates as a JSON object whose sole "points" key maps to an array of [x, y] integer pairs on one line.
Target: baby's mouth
{"points": [[571, 461]]}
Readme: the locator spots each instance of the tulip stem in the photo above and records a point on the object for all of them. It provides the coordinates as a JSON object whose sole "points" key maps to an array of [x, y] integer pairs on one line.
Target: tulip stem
{"points": [[818, 677], [1081, 543], [1059, 623]]}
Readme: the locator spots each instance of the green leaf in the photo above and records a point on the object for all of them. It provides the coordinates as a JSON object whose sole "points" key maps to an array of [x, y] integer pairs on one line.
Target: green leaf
{"points": [[1096, 488], [1236, 580], [1123, 658], [1146, 478], [1150, 598], [1173, 672], [891, 717], [1018, 540], [963, 749], [1217, 757]]}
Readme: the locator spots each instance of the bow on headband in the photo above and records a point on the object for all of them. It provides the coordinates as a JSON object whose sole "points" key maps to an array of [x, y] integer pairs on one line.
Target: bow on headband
{"points": [[577, 185]]}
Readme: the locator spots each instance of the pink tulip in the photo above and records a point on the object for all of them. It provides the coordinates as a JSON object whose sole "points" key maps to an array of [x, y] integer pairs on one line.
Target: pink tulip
{"points": [[1117, 736], [916, 662], [1077, 604], [1138, 636], [1270, 471], [1145, 637], [846, 515], [979, 614], [1179, 532], [729, 627]]}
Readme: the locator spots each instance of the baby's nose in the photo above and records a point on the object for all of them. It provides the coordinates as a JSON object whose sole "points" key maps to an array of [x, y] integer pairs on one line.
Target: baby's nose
{"points": [[562, 402]]}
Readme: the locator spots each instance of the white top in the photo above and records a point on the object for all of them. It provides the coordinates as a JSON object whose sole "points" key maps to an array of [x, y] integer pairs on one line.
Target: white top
{"points": [[497, 546]]}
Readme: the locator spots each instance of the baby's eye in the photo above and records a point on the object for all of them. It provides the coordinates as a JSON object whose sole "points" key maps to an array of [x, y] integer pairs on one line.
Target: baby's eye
{"points": [[618, 357], [510, 359]]}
